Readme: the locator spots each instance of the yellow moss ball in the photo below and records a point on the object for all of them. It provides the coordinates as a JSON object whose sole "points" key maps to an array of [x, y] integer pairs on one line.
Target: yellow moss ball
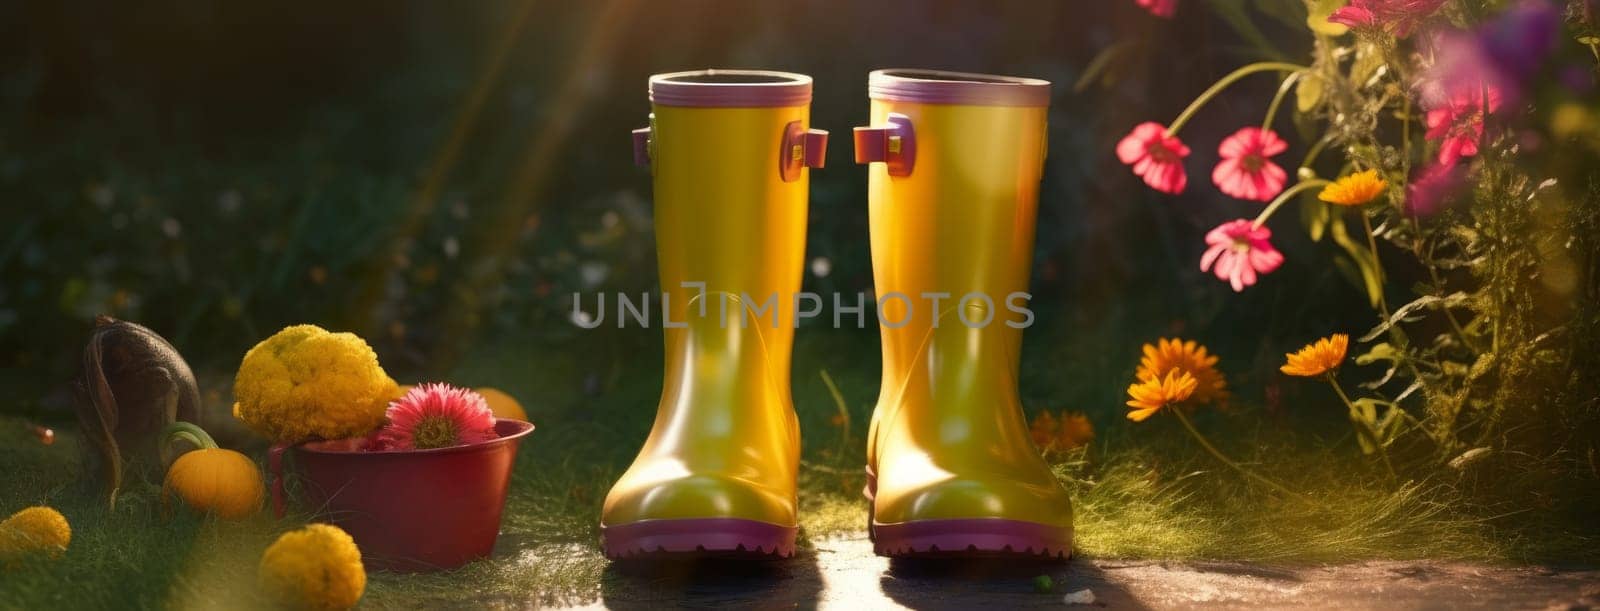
{"points": [[316, 567], [35, 530], [502, 404], [306, 382]]}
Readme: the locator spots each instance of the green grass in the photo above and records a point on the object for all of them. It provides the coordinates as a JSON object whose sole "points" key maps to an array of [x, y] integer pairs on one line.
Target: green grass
{"points": [[1195, 510], [1140, 491], [1144, 504]]}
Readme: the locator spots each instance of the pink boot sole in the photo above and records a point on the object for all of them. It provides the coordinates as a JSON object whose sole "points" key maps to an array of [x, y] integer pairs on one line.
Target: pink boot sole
{"points": [[964, 538], [975, 537], [697, 537]]}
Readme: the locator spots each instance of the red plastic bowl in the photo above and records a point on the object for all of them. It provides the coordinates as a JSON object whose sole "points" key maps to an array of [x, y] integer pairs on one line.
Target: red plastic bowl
{"points": [[413, 510]]}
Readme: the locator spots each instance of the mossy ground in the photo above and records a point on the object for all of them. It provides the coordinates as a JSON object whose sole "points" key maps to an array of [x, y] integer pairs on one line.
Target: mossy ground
{"points": [[1140, 491]]}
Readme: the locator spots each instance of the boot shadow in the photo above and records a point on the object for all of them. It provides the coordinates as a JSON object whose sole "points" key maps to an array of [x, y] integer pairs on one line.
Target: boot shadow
{"points": [[999, 583], [724, 582]]}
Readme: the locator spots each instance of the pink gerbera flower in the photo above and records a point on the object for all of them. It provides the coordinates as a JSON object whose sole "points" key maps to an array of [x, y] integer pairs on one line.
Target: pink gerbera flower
{"points": [[437, 416], [1457, 124], [1239, 251], [1155, 156], [1159, 8], [1246, 172], [1399, 17]]}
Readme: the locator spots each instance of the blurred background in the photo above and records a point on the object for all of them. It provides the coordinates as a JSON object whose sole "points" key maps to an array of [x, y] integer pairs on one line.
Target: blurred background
{"points": [[442, 177]]}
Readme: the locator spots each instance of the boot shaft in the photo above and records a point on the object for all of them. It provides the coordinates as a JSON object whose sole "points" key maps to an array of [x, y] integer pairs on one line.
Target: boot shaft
{"points": [[953, 209], [728, 151]]}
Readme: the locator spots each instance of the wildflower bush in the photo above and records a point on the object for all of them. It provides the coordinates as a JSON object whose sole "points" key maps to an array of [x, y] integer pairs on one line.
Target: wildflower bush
{"points": [[1451, 156]]}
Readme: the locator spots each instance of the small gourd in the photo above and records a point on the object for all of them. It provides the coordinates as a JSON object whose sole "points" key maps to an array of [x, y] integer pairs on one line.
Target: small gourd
{"points": [[210, 479]]}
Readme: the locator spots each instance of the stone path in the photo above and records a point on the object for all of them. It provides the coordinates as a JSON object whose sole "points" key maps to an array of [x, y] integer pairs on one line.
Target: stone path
{"points": [[844, 574]]}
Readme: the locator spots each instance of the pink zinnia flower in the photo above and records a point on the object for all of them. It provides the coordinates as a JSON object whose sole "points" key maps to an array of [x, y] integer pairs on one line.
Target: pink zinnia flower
{"points": [[1397, 16], [1159, 8], [1245, 171], [1432, 188], [1240, 250], [437, 416], [1156, 156], [1458, 123]]}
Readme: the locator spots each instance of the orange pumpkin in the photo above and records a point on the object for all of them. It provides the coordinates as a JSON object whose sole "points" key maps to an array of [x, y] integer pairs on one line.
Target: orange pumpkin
{"points": [[212, 480]]}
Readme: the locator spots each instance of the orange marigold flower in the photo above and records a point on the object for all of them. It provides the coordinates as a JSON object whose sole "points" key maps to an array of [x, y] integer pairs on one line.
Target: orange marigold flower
{"points": [[1043, 430], [1355, 189], [1169, 355], [1318, 357], [1072, 430], [1149, 395], [1076, 430]]}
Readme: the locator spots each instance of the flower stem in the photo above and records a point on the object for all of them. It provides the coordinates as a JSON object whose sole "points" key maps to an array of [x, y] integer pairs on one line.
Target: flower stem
{"points": [[1372, 244], [1405, 142], [1227, 461], [1298, 187], [1362, 428], [1277, 99], [1231, 78]]}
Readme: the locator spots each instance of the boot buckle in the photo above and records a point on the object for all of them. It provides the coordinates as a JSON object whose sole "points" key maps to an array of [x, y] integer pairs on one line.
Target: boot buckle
{"points": [[801, 148], [641, 146], [894, 144]]}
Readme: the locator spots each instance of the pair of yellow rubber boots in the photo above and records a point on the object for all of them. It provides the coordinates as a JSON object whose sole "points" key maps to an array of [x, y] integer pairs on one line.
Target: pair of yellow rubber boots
{"points": [[955, 167]]}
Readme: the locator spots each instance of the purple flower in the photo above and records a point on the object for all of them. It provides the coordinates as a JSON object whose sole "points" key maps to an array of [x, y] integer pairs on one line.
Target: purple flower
{"points": [[1520, 38], [1504, 54]]}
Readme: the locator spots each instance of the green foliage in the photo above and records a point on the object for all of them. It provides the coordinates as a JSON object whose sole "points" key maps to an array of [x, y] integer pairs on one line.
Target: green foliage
{"points": [[1483, 354], [1484, 293], [1365, 262]]}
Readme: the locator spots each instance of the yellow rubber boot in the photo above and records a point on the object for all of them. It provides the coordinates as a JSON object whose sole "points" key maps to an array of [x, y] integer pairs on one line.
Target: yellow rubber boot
{"points": [[729, 151], [951, 467]]}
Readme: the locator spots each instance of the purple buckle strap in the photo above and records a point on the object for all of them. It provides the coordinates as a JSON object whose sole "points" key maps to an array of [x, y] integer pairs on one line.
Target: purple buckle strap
{"points": [[641, 146], [894, 144], [801, 148]]}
